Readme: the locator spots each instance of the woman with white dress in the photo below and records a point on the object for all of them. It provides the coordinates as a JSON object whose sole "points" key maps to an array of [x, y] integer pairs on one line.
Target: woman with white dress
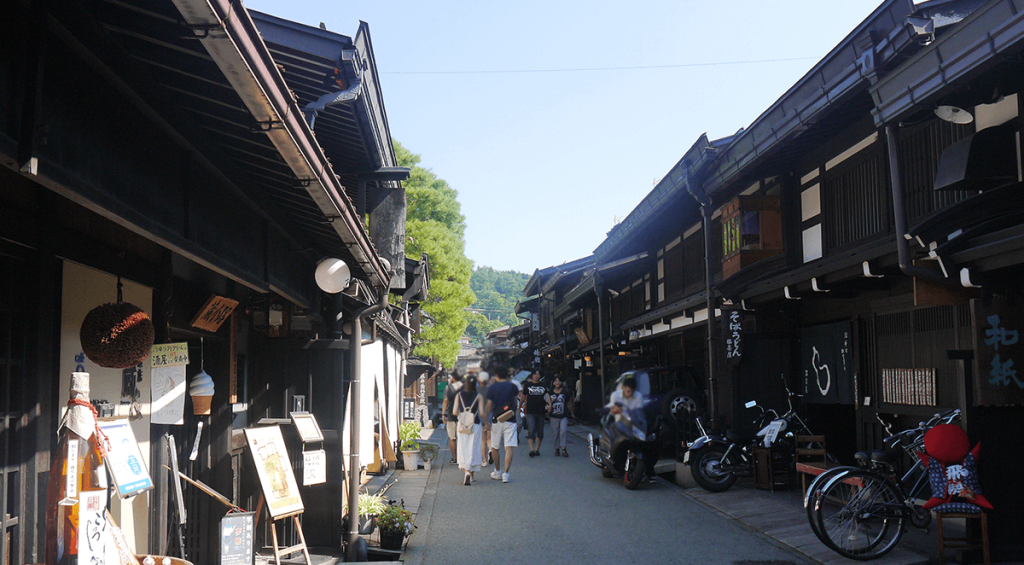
{"points": [[469, 454]]}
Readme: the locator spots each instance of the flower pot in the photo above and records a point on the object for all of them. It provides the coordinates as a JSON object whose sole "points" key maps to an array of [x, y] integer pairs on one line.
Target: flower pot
{"points": [[411, 460], [367, 524], [426, 465], [391, 540]]}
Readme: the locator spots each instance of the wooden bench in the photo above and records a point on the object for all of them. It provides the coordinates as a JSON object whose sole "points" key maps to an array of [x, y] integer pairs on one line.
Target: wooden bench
{"points": [[811, 458]]}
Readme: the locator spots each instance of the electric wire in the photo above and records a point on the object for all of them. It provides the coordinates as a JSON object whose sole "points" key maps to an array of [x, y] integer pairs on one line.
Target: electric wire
{"points": [[593, 69]]}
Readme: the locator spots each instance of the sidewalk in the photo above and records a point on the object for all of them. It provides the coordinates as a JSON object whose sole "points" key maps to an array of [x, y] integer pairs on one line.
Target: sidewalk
{"points": [[779, 516], [417, 489]]}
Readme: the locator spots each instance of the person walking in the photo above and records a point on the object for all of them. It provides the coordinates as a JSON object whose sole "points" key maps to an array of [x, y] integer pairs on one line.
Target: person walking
{"points": [[468, 400], [450, 424], [538, 405], [483, 379], [502, 404], [559, 417]]}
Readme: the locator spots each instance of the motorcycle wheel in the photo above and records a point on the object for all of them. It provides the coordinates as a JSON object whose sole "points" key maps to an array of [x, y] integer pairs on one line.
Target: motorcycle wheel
{"points": [[705, 464], [635, 473], [606, 472]]}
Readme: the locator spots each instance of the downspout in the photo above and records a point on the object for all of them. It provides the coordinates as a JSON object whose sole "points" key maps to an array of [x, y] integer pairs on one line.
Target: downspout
{"points": [[899, 212], [599, 290], [705, 215], [353, 467]]}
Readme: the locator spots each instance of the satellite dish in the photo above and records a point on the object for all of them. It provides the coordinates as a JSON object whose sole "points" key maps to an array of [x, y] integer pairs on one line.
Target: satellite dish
{"points": [[954, 115], [332, 275]]}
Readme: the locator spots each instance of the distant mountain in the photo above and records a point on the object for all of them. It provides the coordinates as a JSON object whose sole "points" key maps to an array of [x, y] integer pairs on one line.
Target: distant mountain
{"points": [[496, 295]]}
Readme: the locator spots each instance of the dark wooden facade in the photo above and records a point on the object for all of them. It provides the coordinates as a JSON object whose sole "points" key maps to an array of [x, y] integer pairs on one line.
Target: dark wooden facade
{"points": [[850, 153], [125, 148]]}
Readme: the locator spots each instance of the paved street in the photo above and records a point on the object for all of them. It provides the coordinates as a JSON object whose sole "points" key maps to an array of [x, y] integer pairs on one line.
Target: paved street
{"points": [[563, 510]]}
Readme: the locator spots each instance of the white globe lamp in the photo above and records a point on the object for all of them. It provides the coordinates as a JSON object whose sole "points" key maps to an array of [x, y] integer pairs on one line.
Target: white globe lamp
{"points": [[332, 275]]}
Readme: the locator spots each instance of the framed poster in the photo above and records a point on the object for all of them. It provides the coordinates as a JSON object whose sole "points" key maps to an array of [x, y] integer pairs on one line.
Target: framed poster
{"points": [[124, 459], [305, 424], [236, 539], [274, 470]]}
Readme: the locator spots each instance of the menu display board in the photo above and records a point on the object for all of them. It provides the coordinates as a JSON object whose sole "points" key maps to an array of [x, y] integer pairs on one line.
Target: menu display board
{"points": [[124, 459], [236, 538]]}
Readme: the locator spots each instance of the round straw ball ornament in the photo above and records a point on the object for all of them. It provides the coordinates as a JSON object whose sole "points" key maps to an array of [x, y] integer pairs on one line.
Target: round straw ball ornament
{"points": [[117, 336]]}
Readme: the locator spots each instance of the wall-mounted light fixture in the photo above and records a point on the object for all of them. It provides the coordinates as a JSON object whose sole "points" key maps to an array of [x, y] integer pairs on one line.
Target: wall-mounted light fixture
{"points": [[332, 275], [954, 115]]}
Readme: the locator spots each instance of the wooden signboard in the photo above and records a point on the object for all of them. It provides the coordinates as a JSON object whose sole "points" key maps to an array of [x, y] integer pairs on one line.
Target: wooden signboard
{"points": [[214, 313], [236, 535], [1000, 377]]}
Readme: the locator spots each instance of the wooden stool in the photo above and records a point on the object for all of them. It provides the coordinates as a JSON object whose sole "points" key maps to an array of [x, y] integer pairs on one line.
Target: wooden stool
{"points": [[965, 542]]}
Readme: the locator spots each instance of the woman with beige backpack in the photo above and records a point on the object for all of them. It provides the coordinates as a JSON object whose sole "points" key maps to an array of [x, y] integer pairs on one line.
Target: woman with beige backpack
{"points": [[468, 406]]}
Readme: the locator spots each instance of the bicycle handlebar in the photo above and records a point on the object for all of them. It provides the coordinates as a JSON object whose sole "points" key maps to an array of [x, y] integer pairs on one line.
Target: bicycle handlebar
{"points": [[943, 418]]}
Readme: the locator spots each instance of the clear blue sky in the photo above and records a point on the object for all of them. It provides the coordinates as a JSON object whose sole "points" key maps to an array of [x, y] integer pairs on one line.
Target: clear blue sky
{"points": [[545, 163]]}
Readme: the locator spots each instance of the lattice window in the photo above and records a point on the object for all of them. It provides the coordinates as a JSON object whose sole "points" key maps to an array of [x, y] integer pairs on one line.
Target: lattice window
{"points": [[915, 387]]}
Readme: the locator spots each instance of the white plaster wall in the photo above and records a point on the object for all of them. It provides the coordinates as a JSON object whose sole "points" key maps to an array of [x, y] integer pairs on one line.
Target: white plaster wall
{"points": [[84, 289]]}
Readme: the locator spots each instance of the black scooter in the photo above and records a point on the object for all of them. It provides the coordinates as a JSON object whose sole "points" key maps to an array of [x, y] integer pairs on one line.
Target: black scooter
{"points": [[628, 446]]}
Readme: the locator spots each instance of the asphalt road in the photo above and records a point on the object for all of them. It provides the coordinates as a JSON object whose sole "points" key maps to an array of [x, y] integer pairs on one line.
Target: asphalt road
{"points": [[559, 510]]}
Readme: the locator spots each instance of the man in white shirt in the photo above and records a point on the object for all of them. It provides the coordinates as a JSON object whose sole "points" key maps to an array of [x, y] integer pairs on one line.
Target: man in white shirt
{"points": [[626, 398]]}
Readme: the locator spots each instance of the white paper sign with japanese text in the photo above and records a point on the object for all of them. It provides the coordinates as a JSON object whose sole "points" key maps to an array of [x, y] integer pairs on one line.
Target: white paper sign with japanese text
{"points": [[168, 383]]}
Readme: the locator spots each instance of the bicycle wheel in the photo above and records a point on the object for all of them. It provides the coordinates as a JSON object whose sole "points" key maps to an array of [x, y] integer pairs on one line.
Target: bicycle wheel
{"points": [[859, 515], [814, 491]]}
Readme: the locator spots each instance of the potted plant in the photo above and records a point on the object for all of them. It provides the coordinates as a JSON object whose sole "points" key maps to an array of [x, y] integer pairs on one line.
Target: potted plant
{"points": [[409, 435], [395, 523], [428, 452], [370, 506]]}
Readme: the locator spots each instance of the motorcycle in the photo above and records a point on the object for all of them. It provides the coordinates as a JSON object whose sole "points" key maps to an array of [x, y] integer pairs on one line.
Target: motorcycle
{"points": [[716, 461], [628, 446]]}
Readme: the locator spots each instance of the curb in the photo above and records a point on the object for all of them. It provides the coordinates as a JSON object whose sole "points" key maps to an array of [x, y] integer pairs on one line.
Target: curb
{"points": [[413, 554]]}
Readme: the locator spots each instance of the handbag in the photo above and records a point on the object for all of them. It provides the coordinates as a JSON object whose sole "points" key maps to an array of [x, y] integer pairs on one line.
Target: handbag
{"points": [[466, 418]]}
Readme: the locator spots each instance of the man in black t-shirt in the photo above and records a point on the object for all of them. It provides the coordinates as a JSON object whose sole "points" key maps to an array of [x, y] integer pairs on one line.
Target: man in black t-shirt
{"points": [[538, 405]]}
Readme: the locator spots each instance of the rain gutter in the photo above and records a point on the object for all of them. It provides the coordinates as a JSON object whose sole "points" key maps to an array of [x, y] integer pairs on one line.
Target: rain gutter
{"points": [[231, 38], [990, 31], [882, 38]]}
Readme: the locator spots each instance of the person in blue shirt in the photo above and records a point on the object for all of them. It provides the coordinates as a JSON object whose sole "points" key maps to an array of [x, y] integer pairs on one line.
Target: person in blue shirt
{"points": [[502, 405]]}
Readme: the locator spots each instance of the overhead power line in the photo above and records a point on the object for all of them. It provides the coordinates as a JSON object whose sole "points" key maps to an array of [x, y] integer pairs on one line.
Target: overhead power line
{"points": [[591, 69]]}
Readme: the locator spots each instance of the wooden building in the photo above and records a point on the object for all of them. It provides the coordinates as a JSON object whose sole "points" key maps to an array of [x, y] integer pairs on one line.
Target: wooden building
{"points": [[861, 240], [170, 146]]}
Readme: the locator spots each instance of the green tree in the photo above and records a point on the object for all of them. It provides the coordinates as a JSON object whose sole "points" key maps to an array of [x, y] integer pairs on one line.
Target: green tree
{"points": [[496, 295], [435, 225]]}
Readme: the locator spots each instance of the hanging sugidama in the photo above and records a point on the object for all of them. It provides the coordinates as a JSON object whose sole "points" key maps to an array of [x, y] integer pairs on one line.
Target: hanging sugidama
{"points": [[117, 336]]}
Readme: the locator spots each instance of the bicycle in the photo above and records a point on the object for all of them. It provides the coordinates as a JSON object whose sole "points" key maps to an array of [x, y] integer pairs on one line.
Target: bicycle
{"points": [[859, 512]]}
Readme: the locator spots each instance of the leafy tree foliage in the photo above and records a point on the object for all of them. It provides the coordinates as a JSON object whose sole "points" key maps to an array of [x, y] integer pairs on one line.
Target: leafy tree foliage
{"points": [[435, 225], [496, 295]]}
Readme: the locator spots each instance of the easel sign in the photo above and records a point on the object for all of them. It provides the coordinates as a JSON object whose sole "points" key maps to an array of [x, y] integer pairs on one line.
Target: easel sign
{"points": [[306, 425], [274, 470], [236, 534], [124, 459]]}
